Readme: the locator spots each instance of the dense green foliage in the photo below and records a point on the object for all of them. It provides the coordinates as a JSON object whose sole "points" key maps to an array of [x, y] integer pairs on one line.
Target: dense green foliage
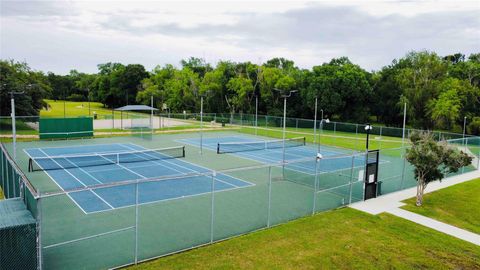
{"points": [[18, 77], [433, 160], [439, 91]]}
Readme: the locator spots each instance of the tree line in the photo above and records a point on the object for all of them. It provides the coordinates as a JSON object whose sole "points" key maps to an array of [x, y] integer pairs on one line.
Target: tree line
{"points": [[439, 91]]}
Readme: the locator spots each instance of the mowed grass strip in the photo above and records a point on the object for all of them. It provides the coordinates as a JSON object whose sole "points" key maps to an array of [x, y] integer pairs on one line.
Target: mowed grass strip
{"points": [[339, 239], [458, 205]]}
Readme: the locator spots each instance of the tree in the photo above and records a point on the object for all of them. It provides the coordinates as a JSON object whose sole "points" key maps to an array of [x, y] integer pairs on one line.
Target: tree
{"points": [[154, 86], [17, 76], [241, 89], [433, 160], [342, 87], [419, 79]]}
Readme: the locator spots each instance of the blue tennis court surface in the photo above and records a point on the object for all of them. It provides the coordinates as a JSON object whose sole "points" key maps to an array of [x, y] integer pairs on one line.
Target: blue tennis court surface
{"points": [[108, 198], [333, 159]]}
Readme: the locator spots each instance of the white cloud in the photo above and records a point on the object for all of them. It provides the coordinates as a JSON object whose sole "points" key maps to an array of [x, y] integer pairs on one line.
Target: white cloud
{"points": [[59, 36]]}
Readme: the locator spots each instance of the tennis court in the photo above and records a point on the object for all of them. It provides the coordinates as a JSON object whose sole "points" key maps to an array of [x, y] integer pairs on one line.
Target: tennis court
{"points": [[271, 151], [77, 167]]}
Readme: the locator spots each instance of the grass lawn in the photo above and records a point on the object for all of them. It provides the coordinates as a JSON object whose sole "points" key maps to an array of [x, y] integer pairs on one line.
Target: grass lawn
{"points": [[79, 108], [457, 205], [1, 194], [21, 127], [339, 239]]}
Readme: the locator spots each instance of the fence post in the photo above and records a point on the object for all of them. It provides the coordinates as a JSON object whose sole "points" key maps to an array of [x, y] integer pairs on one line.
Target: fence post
{"points": [[403, 168], [356, 137], [351, 179], [39, 234], [296, 124], [335, 132], [213, 207], [269, 195], [381, 139], [136, 222], [315, 186]]}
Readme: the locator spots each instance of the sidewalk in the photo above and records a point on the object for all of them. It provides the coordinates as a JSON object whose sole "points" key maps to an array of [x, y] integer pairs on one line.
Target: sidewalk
{"points": [[390, 203]]}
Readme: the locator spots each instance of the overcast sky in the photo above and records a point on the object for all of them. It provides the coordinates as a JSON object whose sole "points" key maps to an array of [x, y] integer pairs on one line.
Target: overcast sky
{"points": [[60, 36]]}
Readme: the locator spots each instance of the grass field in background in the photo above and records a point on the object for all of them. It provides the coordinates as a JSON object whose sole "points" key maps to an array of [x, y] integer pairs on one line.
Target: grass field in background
{"points": [[1, 194], [22, 127], [457, 205], [339, 239], [80, 108]]}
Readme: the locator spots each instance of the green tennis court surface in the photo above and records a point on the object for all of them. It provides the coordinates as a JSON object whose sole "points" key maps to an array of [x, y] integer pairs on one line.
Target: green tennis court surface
{"points": [[99, 209]]}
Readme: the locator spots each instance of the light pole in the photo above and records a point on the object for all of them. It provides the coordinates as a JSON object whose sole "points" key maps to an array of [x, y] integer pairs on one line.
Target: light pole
{"points": [[321, 130], [256, 113], [315, 122], [368, 127], [88, 97], [285, 96], [12, 115], [201, 125], [201, 120]]}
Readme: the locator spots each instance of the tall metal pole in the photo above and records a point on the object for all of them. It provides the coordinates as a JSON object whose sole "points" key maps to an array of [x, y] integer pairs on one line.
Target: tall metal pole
{"points": [[151, 113], [64, 106], [14, 128], [368, 127], [315, 122], [201, 125], [368, 135], [256, 113], [404, 122], [14, 125], [284, 124], [88, 97]]}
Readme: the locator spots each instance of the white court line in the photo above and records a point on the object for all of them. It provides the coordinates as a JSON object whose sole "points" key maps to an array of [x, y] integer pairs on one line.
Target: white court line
{"points": [[76, 178], [76, 146], [256, 158], [94, 178], [268, 161], [53, 180], [262, 157], [202, 167], [183, 173], [171, 199]]}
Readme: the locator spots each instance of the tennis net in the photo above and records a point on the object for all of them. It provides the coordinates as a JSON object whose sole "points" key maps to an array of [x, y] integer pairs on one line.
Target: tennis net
{"points": [[232, 147], [98, 159]]}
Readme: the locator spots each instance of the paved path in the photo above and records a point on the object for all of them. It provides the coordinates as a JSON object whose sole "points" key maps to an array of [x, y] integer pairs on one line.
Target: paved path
{"points": [[437, 225], [390, 203]]}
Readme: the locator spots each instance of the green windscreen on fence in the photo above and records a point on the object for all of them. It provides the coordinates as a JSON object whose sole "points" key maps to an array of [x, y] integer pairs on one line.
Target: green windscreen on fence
{"points": [[18, 236], [64, 128]]}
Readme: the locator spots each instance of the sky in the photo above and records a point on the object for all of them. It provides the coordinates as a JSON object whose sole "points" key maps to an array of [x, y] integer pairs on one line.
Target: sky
{"points": [[59, 36]]}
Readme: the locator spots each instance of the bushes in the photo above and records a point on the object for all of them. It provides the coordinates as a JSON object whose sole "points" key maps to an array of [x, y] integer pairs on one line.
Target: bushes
{"points": [[474, 126], [76, 97]]}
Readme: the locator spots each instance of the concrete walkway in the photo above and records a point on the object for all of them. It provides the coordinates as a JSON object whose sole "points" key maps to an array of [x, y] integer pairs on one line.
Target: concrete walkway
{"points": [[390, 203]]}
